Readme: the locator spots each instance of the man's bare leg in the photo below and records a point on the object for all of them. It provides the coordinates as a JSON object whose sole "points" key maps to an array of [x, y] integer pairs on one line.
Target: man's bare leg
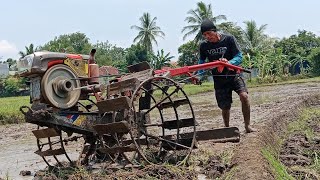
{"points": [[245, 105], [226, 117]]}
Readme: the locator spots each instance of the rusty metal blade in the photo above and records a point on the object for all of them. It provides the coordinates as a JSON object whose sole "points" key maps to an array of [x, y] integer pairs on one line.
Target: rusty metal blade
{"points": [[139, 67], [175, 103], [141, 75], [116, 127], [45, 133], [51, 152], [122, 86], [221, 135], [118, 149], [175, 124], [115, 104], [227, 134]]}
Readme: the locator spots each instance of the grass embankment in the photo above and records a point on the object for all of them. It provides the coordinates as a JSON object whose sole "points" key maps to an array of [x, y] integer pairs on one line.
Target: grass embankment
{"points": [[9, 109], [296, 155]]}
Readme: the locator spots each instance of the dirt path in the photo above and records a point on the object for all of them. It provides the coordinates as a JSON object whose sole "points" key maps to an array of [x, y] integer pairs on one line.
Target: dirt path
{"points": [[17, 143]]}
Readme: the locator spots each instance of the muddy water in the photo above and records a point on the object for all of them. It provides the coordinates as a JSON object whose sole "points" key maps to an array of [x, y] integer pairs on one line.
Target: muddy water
{"points": [[17, 144]]}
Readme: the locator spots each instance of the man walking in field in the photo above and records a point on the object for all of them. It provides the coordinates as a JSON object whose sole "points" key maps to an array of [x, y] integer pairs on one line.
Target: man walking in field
{"points": [[223, 47]]}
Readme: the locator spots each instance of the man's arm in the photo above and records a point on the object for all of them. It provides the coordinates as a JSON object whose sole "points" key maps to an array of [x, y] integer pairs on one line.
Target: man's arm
{"points": [[200, 72], [235, 50], [237, 59], [202, 59]]}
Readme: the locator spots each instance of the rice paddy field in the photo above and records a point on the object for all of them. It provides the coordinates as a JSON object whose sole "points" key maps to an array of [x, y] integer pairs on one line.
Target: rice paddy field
{"points": [[9, 109]]}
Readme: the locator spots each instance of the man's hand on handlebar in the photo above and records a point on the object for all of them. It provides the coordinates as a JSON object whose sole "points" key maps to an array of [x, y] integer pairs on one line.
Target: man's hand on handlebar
{"points": [[224, 60]]}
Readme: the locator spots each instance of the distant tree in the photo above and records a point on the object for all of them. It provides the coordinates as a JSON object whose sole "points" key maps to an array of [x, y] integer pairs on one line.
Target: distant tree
{"points": [[314, 59], [28, 50], [136, 54], [188, 53], [161, 59], [11, 87], [195, 18], [148, 31], [233, 29], [108, 54], [294, 44], [71, 43], [298, 48], [12, 63]]}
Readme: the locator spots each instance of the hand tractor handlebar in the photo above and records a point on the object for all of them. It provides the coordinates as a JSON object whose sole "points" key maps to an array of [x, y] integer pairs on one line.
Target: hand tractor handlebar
{"points": [[187, 70]]}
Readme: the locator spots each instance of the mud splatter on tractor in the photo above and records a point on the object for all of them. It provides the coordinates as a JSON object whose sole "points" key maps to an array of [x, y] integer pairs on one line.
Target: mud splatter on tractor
{"points": [[142, 117]]}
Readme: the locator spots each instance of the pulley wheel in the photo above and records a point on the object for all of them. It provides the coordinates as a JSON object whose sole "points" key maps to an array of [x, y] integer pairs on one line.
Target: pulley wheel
{"points": [[57, 87]]}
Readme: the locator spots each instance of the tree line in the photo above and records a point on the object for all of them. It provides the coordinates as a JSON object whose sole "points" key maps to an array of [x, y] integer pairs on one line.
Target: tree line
{"points": [[271, 57]]}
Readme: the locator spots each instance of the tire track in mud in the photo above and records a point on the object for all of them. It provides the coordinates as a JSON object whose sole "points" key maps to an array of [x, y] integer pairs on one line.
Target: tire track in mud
{"points": [[17, 144]]}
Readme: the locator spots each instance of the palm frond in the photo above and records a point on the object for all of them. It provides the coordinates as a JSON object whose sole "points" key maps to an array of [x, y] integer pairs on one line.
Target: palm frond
{"points": [[196, 16]]}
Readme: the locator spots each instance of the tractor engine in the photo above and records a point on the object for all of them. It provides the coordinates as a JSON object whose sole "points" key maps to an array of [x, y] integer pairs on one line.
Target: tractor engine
{"points": [[60, 80]]}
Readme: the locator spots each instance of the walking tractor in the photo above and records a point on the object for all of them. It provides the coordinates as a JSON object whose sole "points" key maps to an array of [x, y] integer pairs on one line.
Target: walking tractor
{"points": [[86, 114]]}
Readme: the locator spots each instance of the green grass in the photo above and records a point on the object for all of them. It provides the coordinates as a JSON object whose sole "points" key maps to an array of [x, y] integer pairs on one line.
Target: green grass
{"points": [[9, 109], [278, 168], [191, 89], [301, 125]]}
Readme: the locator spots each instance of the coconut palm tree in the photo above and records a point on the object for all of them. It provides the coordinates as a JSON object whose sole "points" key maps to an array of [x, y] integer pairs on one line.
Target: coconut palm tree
{"points": [[29, 50], [148, 31], [195, 18], [253, 37]]}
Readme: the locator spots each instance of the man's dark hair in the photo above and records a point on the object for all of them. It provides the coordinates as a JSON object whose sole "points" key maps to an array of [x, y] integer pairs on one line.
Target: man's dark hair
{"points": [[207, 25]]}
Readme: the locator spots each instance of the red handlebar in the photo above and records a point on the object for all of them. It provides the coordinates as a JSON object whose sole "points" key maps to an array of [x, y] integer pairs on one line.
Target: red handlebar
{"points": [[187, 69]]}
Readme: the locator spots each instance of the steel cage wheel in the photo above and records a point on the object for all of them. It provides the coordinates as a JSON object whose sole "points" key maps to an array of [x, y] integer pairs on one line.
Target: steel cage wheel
{"points": [[167, 127]]}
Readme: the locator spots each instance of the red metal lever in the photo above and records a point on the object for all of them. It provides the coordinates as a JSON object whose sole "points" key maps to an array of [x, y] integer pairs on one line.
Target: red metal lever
{"points": [[187, 69]]}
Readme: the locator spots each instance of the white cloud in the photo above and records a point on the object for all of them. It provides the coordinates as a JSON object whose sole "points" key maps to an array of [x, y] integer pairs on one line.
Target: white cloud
{"points": [[7, 50]]}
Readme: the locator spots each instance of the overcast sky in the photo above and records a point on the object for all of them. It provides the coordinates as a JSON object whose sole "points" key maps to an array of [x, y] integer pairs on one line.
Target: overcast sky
{"points": [[35, 21]]}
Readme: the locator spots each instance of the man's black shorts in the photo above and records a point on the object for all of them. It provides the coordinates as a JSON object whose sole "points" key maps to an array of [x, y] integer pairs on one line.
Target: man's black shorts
{"points": [[223, 91]]}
